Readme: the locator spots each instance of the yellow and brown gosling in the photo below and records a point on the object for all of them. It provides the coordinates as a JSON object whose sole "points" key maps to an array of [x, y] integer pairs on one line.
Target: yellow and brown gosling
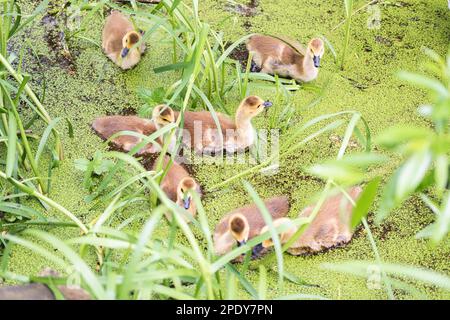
{"points": [[106, 127], [330, 228], [119, 41], [202, 134], [162, 116], [284, 236], [245, 223], [179, 186], [287, 58]]}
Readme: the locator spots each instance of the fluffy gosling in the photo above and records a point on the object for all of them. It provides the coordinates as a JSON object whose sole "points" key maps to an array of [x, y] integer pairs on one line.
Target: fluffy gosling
{"points": [[106, 127], [237, 135], [178, 185], [119, 39], [275, 56], [245, 223]]}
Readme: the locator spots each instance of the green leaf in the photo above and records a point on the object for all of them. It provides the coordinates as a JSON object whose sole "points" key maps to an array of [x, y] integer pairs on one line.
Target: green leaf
{"points": [[330, 47], [338, 172], [442, 225], [348, 4], [81, 164], [273, 232], [364, 202], [262, 289], [359, 268], [404, 182], [425, 83], [441, 172], [411, 174], [70, 128], [44, 139], [395, 136], [297, 280], [12, 141], [77, 263], [17, 20], [172, 67], [245, 283]]}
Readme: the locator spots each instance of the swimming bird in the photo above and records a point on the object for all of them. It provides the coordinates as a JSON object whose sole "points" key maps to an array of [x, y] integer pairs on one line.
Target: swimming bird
{"points": [[245, 223], [201, 132], [119, 39], [162, 116], [286, 57], [107, 126], [284, 236], [330, 227], [178, 185]]}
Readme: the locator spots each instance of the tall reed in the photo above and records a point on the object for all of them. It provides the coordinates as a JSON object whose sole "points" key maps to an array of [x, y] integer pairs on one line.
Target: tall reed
{"points": [[348, 6], [14, 93]]}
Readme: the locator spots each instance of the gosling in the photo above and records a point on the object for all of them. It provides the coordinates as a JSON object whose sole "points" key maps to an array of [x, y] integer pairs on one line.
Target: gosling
{"points": [[106, 127], [245, 223], [119, 41], [286, 58], [330, 228], [178, 185], [237, 135], [290, 230]]}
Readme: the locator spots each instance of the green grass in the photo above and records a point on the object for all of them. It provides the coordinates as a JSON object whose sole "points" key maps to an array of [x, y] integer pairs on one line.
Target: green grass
{"points": [[98, 87]]}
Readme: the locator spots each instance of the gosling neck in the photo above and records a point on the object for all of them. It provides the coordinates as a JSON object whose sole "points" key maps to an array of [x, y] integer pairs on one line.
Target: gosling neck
{"points": [[308, 63], [242, 121]]}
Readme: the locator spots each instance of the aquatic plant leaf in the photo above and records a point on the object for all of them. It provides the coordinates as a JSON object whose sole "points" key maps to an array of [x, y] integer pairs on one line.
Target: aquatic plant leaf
{"points": [[398, 135], [243, 280], [44, 139], [443, 220], [70, 128], [297, 280], [273, 232], [411, 174], [364, 202], [406, 179], [11, 162], [262, 288], [425, 82], [359, 268], [171, 67]]}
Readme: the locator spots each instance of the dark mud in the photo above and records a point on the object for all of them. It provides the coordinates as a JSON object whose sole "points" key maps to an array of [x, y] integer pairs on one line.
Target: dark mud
{"points": [[128, 111], [55, 36], [240, 54], [247, 10]]}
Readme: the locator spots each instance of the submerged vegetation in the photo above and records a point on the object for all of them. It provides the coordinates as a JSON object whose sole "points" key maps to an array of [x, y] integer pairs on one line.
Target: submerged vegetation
{"points": [[97, 216]]}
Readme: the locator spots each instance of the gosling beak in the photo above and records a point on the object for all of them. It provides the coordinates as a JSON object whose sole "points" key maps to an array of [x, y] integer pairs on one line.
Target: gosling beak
{"points": [[267, 104], [316, 60], [187, 202], [241, 243], [125, 52], [256, 251]]}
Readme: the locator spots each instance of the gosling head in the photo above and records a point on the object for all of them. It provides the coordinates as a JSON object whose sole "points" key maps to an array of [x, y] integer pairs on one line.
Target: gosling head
{"points": [[239, 228], [284, 236], [128, 41], [253, 105], [163, 115], [316, 50], [185, 188]]}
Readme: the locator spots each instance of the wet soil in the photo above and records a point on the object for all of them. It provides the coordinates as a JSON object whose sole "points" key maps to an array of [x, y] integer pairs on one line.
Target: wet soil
{"points": [[55, 36], [247, 10]]}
